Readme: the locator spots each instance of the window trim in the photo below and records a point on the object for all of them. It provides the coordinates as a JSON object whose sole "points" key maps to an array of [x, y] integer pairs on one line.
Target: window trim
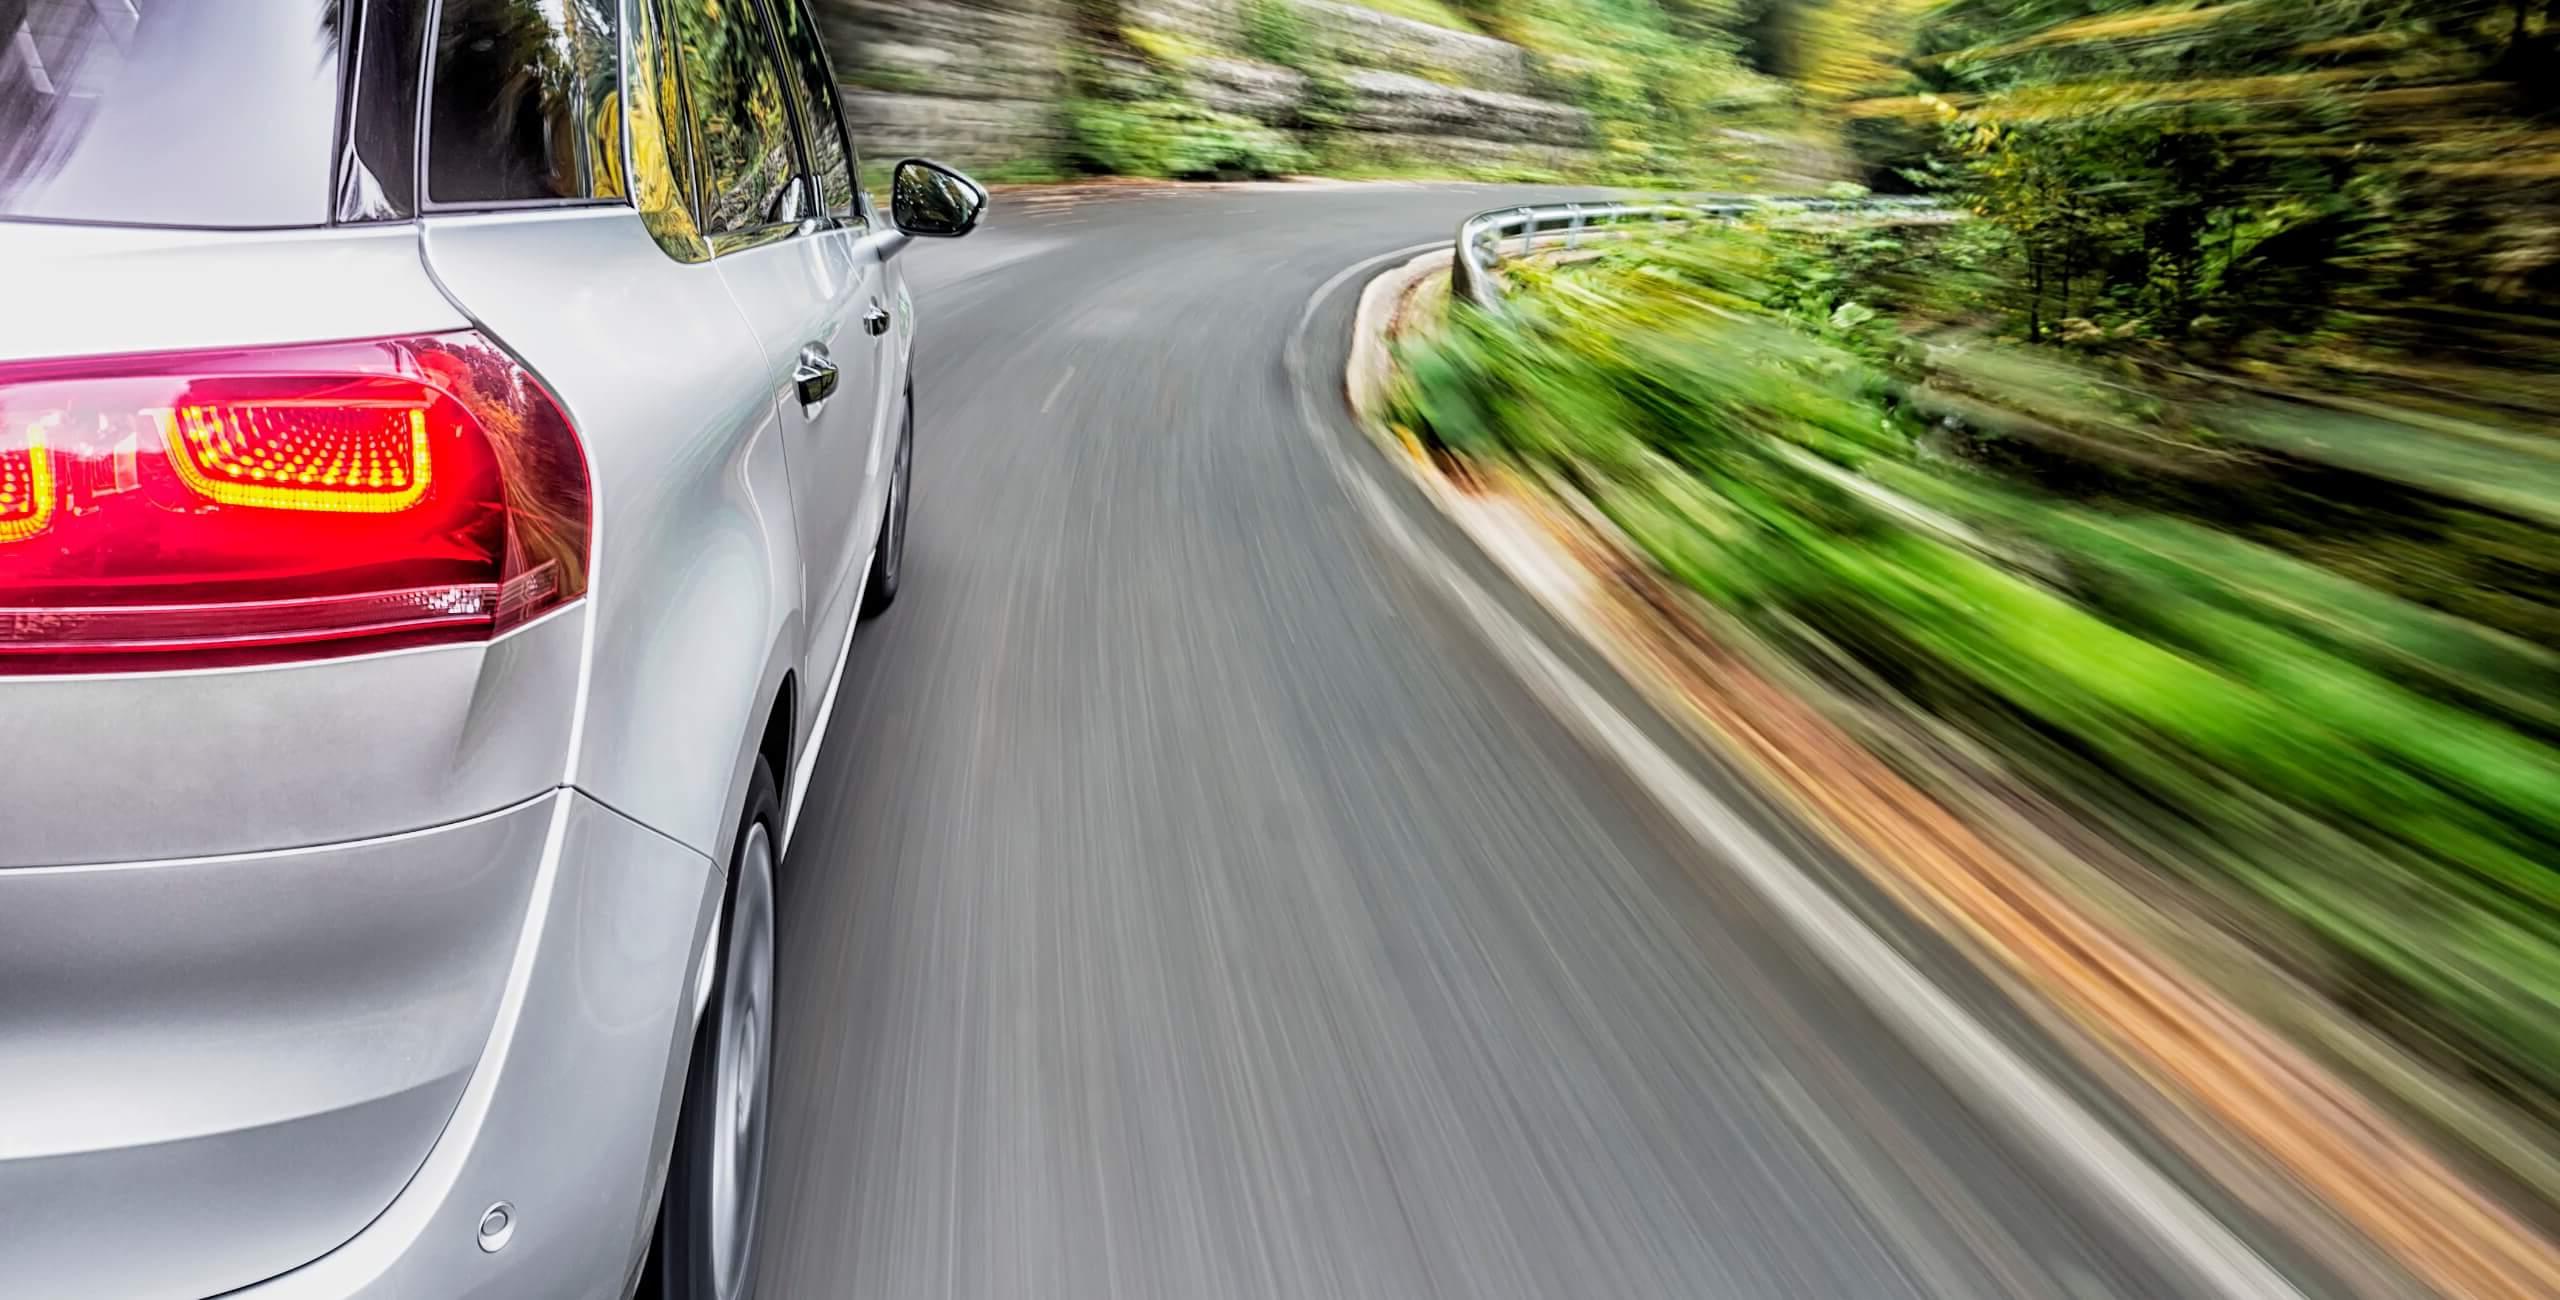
{"points": [[446, 207], [687, 140], [808, 173], [418, 203], [648, 46], [356, 95], [429, 205], [858, 216]]}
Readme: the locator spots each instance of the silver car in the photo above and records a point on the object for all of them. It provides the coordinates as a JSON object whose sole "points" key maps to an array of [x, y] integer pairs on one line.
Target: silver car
{"points": [[445, 452]]}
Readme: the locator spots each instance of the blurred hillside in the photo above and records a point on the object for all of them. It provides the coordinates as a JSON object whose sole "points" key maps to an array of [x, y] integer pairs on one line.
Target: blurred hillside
{"points": [[1687, 92]]}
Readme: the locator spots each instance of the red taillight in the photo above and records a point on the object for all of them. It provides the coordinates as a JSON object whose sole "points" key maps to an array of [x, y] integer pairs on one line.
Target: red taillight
{"points": [[222, 507]]}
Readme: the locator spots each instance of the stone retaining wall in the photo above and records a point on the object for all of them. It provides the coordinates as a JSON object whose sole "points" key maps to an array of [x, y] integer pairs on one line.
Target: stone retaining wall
{"points": [[1210, 22], [1262, 91], [963, 132], [1396, 103], [982, 82], [975, 81], [1376, 40]]}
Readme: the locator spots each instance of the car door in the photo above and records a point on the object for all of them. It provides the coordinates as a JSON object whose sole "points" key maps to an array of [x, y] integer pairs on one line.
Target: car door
{"points": [[805, 281], [818, 106]]}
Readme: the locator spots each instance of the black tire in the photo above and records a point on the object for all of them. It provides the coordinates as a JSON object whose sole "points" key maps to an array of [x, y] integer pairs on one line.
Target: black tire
{"points": [[889, 555], [684, 1263]]}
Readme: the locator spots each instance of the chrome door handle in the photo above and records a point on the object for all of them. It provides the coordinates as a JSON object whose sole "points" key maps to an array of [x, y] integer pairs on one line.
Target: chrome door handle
{"points": [[816, 375], [876, 320]]}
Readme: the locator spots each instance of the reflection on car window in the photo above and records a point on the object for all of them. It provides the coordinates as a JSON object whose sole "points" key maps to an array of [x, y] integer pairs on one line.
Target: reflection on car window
{"points": [[527, 101], [89, 92], [821, 106], [742, 128]]}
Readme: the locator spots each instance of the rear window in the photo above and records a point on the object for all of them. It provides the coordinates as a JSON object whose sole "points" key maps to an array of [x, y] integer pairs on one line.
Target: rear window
{"points": [[168, 112]]}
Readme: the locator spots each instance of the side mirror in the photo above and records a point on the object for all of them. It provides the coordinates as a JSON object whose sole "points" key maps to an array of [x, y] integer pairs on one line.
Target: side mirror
{"points": [[927, 198]]}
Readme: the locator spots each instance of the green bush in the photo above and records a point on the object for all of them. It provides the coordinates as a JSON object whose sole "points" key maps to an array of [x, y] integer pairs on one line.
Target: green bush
{"points": [[1175, 139]]}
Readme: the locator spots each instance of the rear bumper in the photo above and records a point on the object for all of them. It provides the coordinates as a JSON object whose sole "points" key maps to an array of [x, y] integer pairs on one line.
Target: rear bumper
{"points": [[321, 1068]]}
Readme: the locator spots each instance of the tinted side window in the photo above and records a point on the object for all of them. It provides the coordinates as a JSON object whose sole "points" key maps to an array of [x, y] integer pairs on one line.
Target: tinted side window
{"points": [[169, 112], [821, 106], [741, 123], [527, 101]]}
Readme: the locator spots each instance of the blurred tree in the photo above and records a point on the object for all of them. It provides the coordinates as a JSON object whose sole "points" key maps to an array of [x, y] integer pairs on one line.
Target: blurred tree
{"points": [[2373, 172]]}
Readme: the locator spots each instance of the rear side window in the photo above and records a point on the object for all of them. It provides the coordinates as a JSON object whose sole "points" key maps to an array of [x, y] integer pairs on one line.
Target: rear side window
{"points": [[168, 112], [741, 123], [527, 102], [821, 106]]}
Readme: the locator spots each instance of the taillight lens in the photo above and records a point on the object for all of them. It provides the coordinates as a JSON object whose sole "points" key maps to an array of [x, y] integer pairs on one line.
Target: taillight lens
{"points": [[180, 509]]}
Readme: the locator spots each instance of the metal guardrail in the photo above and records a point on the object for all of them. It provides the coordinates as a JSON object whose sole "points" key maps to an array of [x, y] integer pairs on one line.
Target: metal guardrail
{"points": [[1481, 237]]}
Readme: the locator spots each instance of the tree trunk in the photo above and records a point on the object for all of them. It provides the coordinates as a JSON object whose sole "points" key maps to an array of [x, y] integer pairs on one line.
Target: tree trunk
{"points": [[2035, 296], [2070, 269]]}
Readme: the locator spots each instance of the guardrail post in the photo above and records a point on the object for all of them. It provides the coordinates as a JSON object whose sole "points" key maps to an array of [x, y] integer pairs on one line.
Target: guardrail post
{"points": [[1528, 230], [1573, 225]]}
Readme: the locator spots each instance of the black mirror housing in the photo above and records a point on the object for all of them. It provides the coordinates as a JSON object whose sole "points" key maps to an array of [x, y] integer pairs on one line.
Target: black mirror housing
{"points": [[934, 201]]}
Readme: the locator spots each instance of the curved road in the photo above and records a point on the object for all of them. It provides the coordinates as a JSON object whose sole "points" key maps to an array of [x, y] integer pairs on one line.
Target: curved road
{"points": [[1188, 907]]}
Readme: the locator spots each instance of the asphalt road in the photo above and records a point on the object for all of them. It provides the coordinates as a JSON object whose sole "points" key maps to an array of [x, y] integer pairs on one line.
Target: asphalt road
{"points": [[1188, 906]]}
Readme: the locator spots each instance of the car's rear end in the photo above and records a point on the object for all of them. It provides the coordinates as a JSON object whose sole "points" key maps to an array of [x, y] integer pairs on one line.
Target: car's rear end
{"points": [[315, 972]]}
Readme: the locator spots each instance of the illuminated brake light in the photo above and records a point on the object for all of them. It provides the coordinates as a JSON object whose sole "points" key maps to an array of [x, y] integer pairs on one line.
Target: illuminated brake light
{"points": [[26, 488], [358, 457], [181, 509]]}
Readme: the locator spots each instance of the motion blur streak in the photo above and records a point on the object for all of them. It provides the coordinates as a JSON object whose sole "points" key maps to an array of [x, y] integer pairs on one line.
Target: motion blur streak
{"points": [[1187, 907]]}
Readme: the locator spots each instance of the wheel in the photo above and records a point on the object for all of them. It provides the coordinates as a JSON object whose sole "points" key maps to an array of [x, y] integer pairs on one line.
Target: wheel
{"points": [[890, 555], [706, 1242]]}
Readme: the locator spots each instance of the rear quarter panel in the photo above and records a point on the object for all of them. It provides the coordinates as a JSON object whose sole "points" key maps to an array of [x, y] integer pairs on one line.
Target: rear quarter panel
{"points": [[695, 596], [117, 767]]}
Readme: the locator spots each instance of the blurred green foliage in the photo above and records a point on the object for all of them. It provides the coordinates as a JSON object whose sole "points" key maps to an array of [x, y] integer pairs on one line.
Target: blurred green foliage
{"points": [[1176, 139], [1276, 32], [1660, 77], [2296, 652], [2199, 478]]}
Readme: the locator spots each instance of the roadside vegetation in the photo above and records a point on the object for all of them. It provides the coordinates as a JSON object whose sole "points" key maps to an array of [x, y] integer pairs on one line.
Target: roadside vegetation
{"points": [[1170, 137], [2198, 481], [1681, 93]]}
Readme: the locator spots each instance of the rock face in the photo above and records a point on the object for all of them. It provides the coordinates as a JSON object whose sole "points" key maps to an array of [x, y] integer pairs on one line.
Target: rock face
{"points": [[965, 132], [982, 82], [1384, 41], [1395, 103], [1264, 92], [1210, 22], [977, 83]]}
